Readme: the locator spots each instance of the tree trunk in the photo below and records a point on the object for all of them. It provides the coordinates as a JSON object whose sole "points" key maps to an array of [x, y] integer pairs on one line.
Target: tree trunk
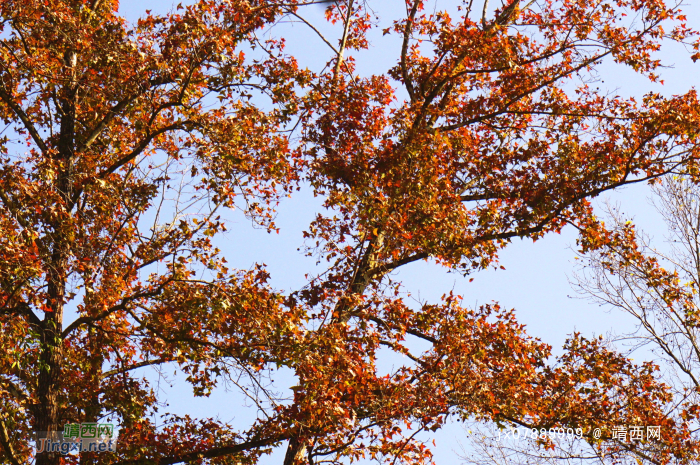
{"points": [[50, 358], [296, 450], [49, 383]]}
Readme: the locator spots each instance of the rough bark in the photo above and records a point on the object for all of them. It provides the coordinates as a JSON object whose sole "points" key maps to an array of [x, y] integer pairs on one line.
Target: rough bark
{"points": [[49, 385]]}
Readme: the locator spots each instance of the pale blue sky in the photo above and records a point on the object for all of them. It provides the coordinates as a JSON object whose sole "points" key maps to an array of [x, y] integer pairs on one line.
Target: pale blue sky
{"points": [[534, 282]]}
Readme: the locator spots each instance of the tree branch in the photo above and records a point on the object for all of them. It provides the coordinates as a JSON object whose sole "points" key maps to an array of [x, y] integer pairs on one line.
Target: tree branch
{"points": [[22, 309], [111, 113], [7, 445], [14, 390], [140, 147], [145, 363], [7, 98], [404, 49], [122, 306], [208, 454]]}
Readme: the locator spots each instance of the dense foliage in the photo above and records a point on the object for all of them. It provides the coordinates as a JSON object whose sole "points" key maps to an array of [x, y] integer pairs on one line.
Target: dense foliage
{"points": [[124, 143]]}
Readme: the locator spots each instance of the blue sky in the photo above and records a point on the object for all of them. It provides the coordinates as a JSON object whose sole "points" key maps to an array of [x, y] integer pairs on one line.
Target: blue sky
{"points": [[535, 279]]}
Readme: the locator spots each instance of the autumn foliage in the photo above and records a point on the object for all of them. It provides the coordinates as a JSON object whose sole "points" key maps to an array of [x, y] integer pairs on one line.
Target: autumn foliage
{"points": [[125, 143]]}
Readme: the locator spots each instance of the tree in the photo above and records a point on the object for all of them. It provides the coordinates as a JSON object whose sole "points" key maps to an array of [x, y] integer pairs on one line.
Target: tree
{"points": [[112, 204], [490, 139], [658, 287], [137, 137]]}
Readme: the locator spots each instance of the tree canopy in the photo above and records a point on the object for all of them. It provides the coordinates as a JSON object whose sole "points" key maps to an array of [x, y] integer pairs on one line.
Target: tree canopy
{"points": [[124, 144]]}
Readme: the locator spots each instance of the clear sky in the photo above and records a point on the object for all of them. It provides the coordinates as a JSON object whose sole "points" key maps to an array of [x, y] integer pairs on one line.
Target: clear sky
{"points": [[535, 279]]}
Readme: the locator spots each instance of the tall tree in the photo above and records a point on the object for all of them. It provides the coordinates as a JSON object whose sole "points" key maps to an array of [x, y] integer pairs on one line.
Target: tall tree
{"points": [[485, 129], [124, 143]]}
